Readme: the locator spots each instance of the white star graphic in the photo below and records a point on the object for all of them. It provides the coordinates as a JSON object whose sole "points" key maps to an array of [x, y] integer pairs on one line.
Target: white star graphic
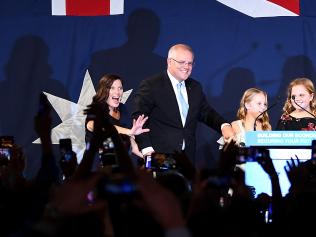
{"points": [[72, 116]]}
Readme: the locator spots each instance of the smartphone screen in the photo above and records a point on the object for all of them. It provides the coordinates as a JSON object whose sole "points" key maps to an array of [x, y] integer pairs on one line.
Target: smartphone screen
{"points": [[65, 147], [116, 187], [5, 152], [6, 143]]}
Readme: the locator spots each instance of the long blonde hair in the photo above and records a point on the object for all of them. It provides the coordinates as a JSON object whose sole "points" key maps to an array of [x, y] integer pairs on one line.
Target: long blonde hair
{"points": [[308, 84], [246, 98]]}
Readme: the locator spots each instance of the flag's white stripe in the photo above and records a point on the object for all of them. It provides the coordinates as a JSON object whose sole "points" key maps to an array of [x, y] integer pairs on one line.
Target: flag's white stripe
{"points": [[116, 7], [59, 7], [258, 8]]}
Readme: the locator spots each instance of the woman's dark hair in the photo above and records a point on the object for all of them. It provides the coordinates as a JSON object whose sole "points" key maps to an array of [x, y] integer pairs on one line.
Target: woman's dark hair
{"points": [[104, 87]]}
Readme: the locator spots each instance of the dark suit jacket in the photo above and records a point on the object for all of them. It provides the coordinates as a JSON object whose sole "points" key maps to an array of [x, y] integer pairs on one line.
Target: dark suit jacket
{"points": [[156, 99]]}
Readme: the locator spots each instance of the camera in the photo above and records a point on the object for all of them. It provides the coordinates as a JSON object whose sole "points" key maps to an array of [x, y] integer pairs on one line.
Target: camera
{"points": [[160, 162], [107, 153], [251, 154], [65, 147], [6, 143]]}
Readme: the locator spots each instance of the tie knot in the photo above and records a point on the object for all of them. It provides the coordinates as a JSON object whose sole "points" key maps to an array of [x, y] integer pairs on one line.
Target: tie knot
{"points": [[179, 85]]}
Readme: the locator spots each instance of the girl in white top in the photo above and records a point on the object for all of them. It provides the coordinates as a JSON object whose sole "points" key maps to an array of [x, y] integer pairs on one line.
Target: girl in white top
{"points": [[253, 102]]}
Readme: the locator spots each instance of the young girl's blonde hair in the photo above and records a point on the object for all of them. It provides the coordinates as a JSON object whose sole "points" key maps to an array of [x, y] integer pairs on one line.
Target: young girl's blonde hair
{"points": [[247, 97]]}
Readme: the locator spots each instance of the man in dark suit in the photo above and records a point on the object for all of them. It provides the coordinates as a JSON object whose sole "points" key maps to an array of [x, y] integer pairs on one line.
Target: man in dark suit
{"points": [[175, 103]]}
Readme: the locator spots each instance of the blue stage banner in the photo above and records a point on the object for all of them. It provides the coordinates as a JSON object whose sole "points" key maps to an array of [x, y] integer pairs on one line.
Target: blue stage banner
{"points": [[280, 138]]}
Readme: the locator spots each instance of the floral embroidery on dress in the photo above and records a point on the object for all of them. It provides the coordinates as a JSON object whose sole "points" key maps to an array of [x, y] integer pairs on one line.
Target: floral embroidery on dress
{"points": [[310, 127], [288, 122], [286, 117]]}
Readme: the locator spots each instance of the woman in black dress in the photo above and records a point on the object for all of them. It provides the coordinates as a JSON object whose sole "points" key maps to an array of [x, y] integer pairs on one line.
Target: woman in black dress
{"points": [[299, 110], [108, 97]]}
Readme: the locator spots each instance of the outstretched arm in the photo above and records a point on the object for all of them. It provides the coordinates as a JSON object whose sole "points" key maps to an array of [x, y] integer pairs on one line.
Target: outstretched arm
{"points": [[136, 129]]}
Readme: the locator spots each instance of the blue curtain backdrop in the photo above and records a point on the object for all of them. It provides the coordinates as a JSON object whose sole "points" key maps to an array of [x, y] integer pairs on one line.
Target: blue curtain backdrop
{"points": [[40, 52]]}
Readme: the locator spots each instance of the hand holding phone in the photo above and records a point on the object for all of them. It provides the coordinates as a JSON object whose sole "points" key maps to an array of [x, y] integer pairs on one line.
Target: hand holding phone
{"points": [[6, 143], [65, 147], [160, 162]]}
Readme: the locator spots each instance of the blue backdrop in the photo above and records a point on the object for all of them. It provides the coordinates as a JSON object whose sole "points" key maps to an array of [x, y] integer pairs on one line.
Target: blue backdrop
{"points": [[40, 52]]}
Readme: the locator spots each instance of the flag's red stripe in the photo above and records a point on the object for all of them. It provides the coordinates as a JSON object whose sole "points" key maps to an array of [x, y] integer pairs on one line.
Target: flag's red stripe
{"points": [[87, 7], [107, 6], [292, 5]]}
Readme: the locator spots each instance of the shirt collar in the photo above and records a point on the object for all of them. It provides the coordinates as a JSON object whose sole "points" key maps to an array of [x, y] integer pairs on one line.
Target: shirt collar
{"points": [[173, 80]]}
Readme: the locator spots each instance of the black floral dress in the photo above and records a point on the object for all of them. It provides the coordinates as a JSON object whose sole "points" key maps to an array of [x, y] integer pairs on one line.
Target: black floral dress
{"points": [[288, 122]]}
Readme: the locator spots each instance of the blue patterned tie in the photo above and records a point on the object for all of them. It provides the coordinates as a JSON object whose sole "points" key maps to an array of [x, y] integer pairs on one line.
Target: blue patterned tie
{"points": [[183, 104]]}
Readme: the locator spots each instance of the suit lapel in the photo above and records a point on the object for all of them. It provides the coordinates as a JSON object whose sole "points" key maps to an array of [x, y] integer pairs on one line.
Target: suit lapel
{"points": [[190, 97]]}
